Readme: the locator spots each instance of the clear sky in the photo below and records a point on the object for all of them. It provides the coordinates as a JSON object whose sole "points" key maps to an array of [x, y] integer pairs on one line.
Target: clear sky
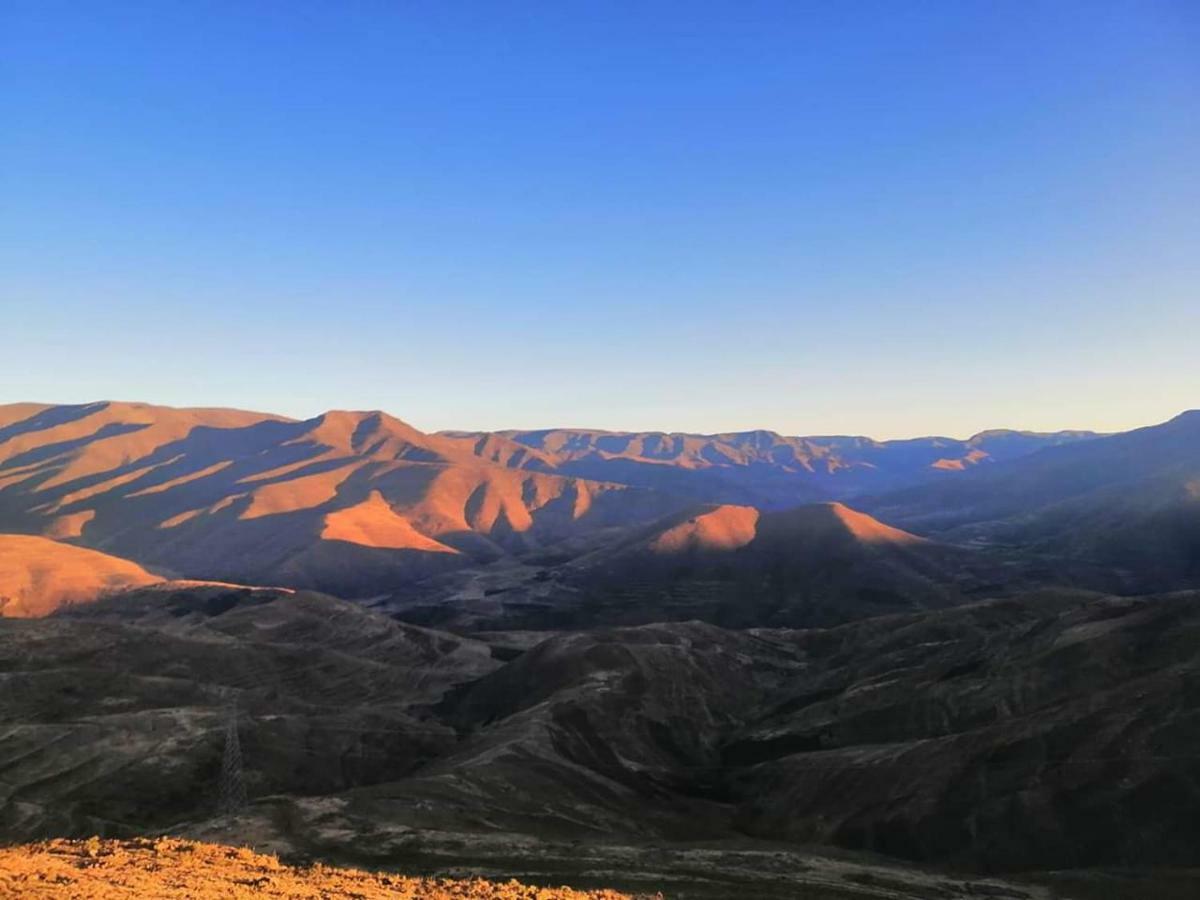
{"points": [[891, 218]]}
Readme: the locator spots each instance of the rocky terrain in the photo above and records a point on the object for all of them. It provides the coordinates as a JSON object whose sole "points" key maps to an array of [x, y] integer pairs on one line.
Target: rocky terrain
{"points": [[168, 868], [539, 563], [1048, 731], [989, 686], [115, 714]]}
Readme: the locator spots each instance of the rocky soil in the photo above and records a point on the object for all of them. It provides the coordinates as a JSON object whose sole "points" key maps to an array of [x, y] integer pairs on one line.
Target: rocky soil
{"points": [[170, 868], [1009, 737]]}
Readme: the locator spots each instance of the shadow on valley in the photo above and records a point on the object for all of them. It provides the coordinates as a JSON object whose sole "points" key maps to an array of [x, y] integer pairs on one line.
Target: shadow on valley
{"points": [[1055, 730], [990, 689]]}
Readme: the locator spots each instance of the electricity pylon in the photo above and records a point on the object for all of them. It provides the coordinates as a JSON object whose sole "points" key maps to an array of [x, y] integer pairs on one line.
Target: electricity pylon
{"points": [[233, 786]]}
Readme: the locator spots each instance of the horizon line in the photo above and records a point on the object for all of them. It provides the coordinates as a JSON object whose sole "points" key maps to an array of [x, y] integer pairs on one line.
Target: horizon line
{"points": [[615, 431]]}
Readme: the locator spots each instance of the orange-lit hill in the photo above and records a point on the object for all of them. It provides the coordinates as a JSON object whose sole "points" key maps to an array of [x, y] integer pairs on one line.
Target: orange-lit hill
{"points": [[721, 530], [718, 529], [830, 522], [39, 575], [349, 502], [816, 564]]}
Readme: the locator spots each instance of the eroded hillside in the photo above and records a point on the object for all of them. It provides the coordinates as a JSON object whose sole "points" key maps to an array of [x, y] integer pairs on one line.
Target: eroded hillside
{"points": [[354, 503], [1005, 735]]}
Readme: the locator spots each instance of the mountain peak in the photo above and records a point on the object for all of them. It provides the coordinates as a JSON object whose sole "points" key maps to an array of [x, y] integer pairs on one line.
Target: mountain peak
{"points": [[720, 528], [832, 520], [1188, 416], [378, 434]]}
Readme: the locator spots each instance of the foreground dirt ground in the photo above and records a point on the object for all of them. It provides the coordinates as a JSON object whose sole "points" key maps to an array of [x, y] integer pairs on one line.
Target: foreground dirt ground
{"points": [[166, 868]]}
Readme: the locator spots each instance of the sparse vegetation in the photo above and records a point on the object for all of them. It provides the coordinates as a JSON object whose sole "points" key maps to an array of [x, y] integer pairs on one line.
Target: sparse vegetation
{"points": [[172, 869]]}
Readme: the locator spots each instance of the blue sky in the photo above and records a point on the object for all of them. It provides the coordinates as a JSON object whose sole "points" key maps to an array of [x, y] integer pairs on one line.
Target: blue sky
{"points": [[883, 218]]}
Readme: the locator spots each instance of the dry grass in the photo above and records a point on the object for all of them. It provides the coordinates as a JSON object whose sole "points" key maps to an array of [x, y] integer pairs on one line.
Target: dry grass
{"points": [[38, 575], [168, 868], [723, 528]]}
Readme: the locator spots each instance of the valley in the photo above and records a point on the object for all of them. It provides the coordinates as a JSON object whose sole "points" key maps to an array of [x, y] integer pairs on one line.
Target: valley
{"points": [[471, 655]]}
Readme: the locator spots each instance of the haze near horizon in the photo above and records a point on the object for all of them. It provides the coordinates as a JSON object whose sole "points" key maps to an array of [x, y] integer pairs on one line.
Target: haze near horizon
{"points": [[814, 219]]}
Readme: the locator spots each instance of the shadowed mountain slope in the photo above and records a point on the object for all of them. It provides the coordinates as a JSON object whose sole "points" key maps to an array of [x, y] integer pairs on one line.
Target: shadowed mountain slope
{"points": [[819, 564], [761, 468], [363, 505], [116, 711], [1129, 500], [1050, 730], [812, 565], [355, 503]]}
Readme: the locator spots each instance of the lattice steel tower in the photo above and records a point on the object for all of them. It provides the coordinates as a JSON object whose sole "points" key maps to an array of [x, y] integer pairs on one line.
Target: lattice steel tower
{"points": [[233, 785]]}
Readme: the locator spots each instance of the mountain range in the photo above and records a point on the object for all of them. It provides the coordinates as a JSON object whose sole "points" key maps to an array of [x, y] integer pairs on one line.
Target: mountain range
{"points": [[759, 468], [1129, 501], [735, 664], [361, 504]]}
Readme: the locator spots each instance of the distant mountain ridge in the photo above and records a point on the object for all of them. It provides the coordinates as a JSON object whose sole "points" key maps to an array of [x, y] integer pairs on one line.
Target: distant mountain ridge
{"points": [[760, 468], [361, 504], [1128, 500]]}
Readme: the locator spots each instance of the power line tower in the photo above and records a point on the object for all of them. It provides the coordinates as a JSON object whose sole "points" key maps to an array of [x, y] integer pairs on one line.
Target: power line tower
{"points": [[233, 785]]}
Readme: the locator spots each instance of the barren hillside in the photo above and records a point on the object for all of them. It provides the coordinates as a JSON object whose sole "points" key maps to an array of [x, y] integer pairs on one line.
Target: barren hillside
{"points": [[167, 868], [38, 575]]}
